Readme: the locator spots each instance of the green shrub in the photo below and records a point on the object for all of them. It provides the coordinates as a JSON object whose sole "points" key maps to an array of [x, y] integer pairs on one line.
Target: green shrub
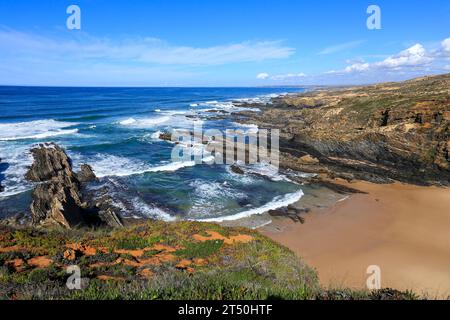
{"points": [[201, 249]]}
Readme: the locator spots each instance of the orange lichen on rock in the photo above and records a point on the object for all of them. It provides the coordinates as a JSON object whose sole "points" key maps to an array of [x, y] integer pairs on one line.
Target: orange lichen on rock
{"points": [[200, 262], [84, 249], [40, 262], [146, 273], [163, 247], [10, 249], [70, 254], [134, 253], [17, 264], [213, 235], [108, 278], [183, 264], [137, 253]]}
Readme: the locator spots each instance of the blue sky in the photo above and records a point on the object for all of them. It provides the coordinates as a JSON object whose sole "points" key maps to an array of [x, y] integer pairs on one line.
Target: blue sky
{"points": [[221, 43]]}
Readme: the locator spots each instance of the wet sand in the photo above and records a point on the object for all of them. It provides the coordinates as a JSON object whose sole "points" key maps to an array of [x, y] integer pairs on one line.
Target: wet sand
{"points": [[403, 229]]}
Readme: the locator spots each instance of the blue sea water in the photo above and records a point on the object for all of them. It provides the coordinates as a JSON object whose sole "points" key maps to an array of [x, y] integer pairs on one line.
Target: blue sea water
{"points": [[116, 130]]}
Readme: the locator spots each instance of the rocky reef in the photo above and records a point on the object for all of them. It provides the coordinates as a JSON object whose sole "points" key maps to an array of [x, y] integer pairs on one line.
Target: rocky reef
{"points": [[379, 133], [57, 198]]}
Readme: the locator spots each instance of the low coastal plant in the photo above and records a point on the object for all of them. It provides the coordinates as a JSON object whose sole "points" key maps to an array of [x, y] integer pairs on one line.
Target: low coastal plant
{"points": [[158, 260]]}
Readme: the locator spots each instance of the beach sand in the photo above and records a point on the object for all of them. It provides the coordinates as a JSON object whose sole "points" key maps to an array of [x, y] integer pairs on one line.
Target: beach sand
{"points": [[403, 229]]}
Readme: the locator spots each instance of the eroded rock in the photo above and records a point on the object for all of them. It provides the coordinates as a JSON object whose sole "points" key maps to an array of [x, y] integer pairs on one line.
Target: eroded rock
{"points": [[57, 199], [234, 168], [50, 161], [86, 174]]}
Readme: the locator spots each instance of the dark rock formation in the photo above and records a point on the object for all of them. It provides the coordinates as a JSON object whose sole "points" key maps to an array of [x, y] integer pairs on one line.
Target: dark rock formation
{"points": [[107, 212], [57, 203], [50, 161], [234, 168], [165, 136], [57, 198], [86, 174], [290, 212], [380, 133]]}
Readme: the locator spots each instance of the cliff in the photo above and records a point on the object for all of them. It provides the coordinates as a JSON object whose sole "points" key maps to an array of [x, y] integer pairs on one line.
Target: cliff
{"points": [[379, 133]]}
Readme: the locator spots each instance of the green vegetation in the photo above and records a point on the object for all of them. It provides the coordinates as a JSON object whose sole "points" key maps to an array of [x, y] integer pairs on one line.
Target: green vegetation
{"points": [[156, 260], [200, 250]]}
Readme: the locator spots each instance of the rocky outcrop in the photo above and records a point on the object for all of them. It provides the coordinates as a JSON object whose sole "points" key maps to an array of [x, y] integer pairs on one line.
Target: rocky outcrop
{"points": [[380, 133], [86, 174], [235, 169], [50, 162], [55, 203], [165, 136], [57, 199]]}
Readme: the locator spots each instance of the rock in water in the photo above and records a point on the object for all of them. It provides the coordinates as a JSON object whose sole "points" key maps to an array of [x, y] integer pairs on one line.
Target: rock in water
{"points": [[234, 168], [50, 161], [86, 174], [165, 136], [57, 199]]}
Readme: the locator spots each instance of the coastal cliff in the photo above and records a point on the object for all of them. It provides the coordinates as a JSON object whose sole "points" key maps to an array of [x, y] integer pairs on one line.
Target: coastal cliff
{"points": [[378, 133]]}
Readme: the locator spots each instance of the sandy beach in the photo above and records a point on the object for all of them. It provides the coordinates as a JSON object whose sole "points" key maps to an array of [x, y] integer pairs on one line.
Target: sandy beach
{"points": [[403, 229]]}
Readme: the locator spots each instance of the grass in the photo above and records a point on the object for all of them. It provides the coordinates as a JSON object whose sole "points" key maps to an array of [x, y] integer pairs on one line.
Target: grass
{"points": [[134, 242], [260, 269], [201, 249]]}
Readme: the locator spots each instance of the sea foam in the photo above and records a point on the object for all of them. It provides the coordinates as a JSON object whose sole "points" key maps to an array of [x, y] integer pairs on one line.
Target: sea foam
{"points": [[39, 129], [277, 203]]}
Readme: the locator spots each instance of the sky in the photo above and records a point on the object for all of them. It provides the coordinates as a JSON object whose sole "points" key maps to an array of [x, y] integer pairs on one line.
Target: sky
{"points": [[221, 43]]}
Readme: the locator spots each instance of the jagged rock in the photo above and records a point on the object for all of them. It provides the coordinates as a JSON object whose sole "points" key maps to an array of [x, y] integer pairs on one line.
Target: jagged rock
{"points": [[107, 212], [56, 204], [86, 174], [165, 136], [308, 160], [110, 218], [57, 200], [234, 168], [379, 133], [50, 161]]}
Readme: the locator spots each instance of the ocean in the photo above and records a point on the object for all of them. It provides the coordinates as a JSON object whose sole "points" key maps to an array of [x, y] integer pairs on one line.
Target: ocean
{"points": [[116, 131]]}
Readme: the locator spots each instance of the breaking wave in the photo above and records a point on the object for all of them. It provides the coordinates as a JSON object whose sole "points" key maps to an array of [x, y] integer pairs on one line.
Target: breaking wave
{"points": [[277, 203], [39, 129]]}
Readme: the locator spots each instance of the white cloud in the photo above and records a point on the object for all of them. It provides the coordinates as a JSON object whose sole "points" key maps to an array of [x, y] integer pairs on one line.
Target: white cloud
{"points": [[357, 67], [262, 76], [446, 45], [289, 76], [447, 67], [140, 50], [341, 47], [413, 57]]}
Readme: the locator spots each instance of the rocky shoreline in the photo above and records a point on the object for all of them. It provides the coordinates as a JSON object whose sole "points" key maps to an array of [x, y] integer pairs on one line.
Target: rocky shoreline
{"points": [[382, 133]]}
